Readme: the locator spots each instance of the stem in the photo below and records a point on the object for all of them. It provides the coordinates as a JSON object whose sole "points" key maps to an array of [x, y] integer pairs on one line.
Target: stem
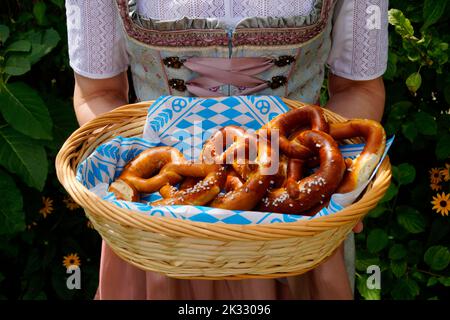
{"points": [[429, 273]]}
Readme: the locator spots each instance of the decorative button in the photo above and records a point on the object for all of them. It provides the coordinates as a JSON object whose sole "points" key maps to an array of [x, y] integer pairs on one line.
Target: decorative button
{"points": [[282, 61], [177, 84], [277, 82], [173, 62]]}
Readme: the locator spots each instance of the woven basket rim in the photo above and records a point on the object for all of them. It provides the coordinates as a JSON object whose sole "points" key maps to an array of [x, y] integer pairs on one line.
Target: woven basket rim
{"points": [[179, 227]]}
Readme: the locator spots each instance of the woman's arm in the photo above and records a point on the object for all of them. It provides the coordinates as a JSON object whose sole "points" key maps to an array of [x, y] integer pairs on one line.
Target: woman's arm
{"points": [[356, 99], [351, 99], [93, 97]]}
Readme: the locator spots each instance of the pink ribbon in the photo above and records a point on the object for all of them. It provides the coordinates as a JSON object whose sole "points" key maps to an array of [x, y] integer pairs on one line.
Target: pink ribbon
{"points": [[216, 72]]}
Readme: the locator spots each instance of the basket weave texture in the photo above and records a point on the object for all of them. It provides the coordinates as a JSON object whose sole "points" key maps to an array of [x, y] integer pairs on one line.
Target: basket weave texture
{"points": [[195, 250]]}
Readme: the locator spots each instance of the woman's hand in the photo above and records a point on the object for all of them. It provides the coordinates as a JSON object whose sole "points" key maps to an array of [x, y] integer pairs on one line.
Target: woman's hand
{"points": [[93, 97], [358, 228]]}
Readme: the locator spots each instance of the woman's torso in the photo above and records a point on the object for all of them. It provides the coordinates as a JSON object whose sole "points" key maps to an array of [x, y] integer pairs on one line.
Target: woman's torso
{"points": [[234, 55]]}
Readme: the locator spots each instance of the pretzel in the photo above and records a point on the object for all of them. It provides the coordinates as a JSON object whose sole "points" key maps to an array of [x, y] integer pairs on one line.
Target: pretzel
{"points": [[299, 196], [203, 191], [247, 195], [139, 176], [362, 167], [215, 146], [169, 191], [233, 181], [288, 123], [159, 166]]}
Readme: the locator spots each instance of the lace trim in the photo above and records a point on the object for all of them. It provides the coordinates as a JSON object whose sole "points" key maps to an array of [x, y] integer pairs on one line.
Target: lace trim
{"points": [[175, 38], [192, 32], [101, 53], [369, 54], [281, 31]]}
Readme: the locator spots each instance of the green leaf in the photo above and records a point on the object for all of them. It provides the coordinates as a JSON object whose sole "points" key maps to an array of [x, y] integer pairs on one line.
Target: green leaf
{"points": [[410, 131], [413, 82], [12, 218], [42, 43], [25, 111], [437, 257], [19, 46], [39, 9], [400, 110], [443, 147], [398, 268], [402, 25], [391, 192], [58, 3], [397, 252], [24, 157], [377, 212], [17, 65], [411, 219], [432, 11], [445, 281], [432, 281], [425, 123], [4, 33], [419, 276], [364, 260], [405, 289], [365, 292], [377, 240], [64, 120], [407, 173], [404, 173]]}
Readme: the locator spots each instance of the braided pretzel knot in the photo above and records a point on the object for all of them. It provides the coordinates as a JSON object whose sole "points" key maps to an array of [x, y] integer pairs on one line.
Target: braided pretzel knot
{"points": [[204, 191], [246, 196], [212, 149], [288, 123], [298, 196]]}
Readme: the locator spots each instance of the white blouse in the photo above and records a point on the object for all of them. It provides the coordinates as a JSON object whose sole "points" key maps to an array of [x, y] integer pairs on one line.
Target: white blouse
{"points": [[97, 42]]}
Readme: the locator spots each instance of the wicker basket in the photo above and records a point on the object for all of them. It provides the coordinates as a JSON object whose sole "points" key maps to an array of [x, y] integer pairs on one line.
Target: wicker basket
{"points": [[195, 250]]}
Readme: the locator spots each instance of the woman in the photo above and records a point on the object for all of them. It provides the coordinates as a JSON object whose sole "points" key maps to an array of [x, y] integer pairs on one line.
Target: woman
{"points": [[228, 47]]}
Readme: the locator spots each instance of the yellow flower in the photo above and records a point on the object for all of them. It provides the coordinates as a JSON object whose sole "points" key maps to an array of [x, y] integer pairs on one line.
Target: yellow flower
{"points": [[441, 203], [435, 175], [47, 208], [71, 260], [446, 172], [70, 204], [435, 186]]}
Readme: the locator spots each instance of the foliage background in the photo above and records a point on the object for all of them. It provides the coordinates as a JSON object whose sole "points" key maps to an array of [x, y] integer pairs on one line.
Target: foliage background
{"points": [[403, 234]]}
